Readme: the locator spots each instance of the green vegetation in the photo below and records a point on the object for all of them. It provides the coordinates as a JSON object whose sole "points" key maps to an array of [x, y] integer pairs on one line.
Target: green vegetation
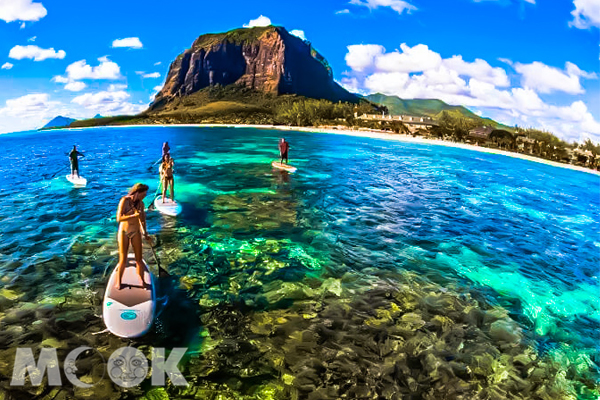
{"points": [[117, 120], [590, 146], [456, 125], [240, 105], [237, 36], [429, 107]]}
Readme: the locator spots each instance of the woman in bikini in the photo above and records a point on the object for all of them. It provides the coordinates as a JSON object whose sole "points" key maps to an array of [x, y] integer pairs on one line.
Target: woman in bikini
{"points": [[166, 176], [132, 225]]}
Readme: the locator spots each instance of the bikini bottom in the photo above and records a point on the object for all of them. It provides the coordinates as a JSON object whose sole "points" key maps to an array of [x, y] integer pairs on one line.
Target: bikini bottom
{"points": [[131, 235]]}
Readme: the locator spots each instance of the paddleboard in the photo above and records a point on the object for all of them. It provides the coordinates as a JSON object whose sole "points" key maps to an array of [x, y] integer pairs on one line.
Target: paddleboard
{"points": [[128, 312], [169, 207], [77, 181], [285, 167]]}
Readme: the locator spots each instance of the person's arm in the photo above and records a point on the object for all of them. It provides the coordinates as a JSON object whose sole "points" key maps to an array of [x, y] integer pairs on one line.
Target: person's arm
{"points": [[121, 217], [143, 223], [144, 228], [80, 154]]}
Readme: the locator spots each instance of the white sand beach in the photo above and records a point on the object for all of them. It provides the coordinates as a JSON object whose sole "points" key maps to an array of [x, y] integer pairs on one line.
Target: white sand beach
{"points": [[373, 134]]}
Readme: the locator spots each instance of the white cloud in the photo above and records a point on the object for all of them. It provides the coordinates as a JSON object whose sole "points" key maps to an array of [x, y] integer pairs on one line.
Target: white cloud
{"points": [[21, 10], [586, 14], [22, 25], [28, 112], [6, 65], [158, 63], [28, 106], [60, 79], [397, 5], [155, 90], [478, 69], [545, 79], [116, 87], [362, 56], [106, 70], [344, 11], [298, 33], [260, 21], [32, 39], [108, 103], [418, 72], [412, 59], [151, 75], [131, 42], [34, 52], [75, 86]]}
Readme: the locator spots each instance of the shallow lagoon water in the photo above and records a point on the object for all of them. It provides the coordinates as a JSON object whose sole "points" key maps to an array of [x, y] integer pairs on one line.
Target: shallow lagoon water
{"points": [[379, 268]]}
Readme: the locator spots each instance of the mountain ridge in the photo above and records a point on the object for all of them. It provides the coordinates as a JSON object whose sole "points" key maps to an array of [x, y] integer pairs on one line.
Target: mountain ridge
{"points": [[266, 59], [59, 122], [428, 107]]}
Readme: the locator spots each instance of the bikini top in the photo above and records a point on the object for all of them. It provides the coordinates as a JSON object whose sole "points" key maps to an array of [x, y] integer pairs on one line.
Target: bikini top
{"points": [[132, 207]]}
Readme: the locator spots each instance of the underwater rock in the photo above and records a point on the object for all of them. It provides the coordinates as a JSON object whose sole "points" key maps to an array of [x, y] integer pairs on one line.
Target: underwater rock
{"points": [[158, 393], [87, 270], [505, 331], [333, 286]]}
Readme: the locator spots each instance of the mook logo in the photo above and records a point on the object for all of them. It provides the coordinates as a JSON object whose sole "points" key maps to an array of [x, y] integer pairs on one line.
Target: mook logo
{"points": [[126, 367]]}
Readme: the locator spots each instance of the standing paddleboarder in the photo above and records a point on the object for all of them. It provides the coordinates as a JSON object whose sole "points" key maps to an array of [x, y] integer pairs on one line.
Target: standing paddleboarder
{"points": [[75, 161], [132, 225], [166, 149], [166, 177], [284, 148]]}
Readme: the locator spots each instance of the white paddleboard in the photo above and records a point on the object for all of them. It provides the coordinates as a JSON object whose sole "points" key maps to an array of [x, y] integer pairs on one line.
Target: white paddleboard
{"points": [[77, 181], [169, 207], [128, 312], [285, 167]]}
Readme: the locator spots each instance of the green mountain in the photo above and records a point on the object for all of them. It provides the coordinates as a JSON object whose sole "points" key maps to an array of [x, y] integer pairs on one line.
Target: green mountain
{"points": [[59, 122], [429, 107]]}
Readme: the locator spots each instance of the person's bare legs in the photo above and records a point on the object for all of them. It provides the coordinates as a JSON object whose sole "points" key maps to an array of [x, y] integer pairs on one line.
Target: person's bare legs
{"points": [[172, 185], [164, 191], [123, 241], [136, 241]]}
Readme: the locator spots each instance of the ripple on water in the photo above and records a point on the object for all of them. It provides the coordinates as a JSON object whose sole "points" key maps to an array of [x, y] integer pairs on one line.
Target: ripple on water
{"points": [[441, 266]]}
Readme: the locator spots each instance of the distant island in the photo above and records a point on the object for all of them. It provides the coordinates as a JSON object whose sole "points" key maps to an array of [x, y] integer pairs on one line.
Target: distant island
{"points": [[59, 122], [267, 76]]}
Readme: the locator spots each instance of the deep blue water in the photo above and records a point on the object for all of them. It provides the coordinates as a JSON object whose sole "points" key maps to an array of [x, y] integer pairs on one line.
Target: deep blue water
{"points": [[513, 233]]}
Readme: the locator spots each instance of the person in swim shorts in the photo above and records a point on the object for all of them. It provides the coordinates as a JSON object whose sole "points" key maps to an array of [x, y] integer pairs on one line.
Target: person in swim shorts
{"points": [[75, 161], [284, 148], [132, 225]]}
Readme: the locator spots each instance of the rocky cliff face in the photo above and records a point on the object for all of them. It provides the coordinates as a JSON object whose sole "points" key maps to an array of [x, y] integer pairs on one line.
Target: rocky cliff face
{"points": [[268, 60]]}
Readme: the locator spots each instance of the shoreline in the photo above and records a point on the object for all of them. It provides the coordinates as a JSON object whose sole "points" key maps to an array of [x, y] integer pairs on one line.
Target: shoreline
{"points": [[371, 134]]}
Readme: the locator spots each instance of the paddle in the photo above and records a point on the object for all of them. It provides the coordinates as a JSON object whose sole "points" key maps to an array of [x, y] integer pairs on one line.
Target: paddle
{"points": [[56, 173], [151, 206], [161, 271], [157, 161]]}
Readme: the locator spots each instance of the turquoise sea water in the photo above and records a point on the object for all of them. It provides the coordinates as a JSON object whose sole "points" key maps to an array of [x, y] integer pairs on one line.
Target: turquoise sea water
{"points": [[457, 263]]}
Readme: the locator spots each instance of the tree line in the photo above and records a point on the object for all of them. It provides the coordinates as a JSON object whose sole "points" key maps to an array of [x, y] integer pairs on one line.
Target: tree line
{"points": [[450, 126]]}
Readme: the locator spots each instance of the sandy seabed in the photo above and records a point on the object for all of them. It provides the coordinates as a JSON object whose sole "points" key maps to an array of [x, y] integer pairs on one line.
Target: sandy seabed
{"points": [[373, 134]]}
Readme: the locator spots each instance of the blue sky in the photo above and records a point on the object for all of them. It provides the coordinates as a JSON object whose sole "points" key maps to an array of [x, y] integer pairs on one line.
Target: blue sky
{"points": [[530, 63]]}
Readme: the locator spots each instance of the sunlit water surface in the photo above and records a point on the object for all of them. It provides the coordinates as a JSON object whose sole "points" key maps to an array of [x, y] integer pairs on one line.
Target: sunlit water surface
{"points": [[257, 246]]}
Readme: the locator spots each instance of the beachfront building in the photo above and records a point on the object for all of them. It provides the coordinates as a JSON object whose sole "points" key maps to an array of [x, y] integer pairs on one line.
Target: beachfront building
{"points": [[414, 124], [584, 158], [525, 144], [479, 136]]}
